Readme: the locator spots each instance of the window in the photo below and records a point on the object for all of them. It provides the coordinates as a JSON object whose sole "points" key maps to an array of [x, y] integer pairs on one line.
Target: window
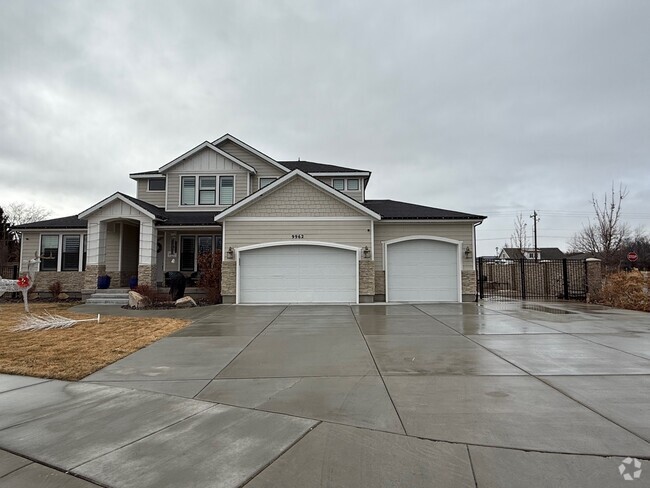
{"points": [[353, 185], [188, 190], [338, 184], [266, 181], [157, 184], [205, 244], [83, 264], [70, 253], [226, 190], [187, 253], [50, 250], [207, 190]]}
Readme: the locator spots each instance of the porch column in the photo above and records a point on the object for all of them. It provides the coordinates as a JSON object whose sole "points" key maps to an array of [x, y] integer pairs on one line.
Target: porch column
{"points": [[95, 254], [147, 255]]}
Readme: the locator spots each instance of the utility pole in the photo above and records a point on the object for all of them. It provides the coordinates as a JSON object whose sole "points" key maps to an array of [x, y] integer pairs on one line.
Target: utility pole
{"points": [[535, 220]]}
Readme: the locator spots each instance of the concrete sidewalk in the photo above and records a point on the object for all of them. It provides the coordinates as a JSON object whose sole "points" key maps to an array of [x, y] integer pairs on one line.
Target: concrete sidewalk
{"points": [[447, 395]]}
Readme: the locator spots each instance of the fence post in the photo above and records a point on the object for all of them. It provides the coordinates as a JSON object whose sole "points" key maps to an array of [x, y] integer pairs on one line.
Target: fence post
{"points": [[594, 277], [480, 278], [523, 278], [565, 279]]}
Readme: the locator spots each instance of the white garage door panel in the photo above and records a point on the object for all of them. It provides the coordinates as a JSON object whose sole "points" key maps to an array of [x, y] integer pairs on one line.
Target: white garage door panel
{"points": [[297, 274], [422, 270]]}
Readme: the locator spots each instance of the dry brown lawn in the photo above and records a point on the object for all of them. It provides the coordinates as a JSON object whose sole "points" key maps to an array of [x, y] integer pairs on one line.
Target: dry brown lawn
{"points": [[73, 353]]}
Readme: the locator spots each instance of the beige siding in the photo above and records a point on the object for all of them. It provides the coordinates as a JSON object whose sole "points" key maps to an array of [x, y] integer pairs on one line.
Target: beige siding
{"points": [[112, 248], [386, 231], [264, 169], [357, 195], [156, 198], [349, 232], [298, 198], [207, 163]]}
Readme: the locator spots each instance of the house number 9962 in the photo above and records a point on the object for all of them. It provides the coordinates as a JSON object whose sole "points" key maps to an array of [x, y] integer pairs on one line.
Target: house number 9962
{"points": [[297, 236]]}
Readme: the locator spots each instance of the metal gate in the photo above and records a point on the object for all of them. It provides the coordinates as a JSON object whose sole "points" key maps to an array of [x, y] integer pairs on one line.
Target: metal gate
{"points": [[527, 279]]}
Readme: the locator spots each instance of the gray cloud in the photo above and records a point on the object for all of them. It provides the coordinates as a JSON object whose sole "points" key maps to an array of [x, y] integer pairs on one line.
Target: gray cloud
{"points": [[489, 107]]}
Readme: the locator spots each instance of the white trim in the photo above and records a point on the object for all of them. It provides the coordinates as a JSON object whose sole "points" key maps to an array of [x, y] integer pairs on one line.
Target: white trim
{"points": [[59, 264], [459, 262], [358, 174], [344, 183], [197, 189], [250, 149], [164, 256], [223, 242], [208, 145], [294, 174], [81, 230], [136, 176], [248, 185], [157, 191], [188, 227], [111, 199], [372, 238], [285, 219], [234, 190], [347, 184], [298, 242], [82, 239], [22, 256]]}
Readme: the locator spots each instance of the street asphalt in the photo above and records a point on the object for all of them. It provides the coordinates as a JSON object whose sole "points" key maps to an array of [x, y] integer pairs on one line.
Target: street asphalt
{"points": [[489, 395]]}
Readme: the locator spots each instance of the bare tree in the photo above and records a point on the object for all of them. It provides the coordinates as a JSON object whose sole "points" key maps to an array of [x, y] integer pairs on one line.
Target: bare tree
{"points": [[605, 236], [19, 213], [519, 238]]}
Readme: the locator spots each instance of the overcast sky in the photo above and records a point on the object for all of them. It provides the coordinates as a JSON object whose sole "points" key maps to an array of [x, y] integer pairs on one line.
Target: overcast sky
{"points": [[494, 107]]}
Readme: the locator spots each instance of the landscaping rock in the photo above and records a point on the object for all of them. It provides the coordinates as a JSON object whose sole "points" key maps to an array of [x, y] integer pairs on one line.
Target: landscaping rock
{"points": [[185, 302], [138, 301], [63, 296]]}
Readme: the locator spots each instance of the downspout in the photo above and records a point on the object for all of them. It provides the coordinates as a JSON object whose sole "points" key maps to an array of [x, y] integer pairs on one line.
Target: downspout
{"points": [[476, 257]]}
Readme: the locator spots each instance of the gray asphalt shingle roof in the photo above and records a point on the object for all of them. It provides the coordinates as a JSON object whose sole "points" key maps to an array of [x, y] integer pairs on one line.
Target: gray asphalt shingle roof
{"points": [[394, 210]]}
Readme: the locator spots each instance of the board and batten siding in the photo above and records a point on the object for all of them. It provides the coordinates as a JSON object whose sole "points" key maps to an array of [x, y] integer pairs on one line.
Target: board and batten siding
{"points": [[247, 233], [386, 231], [298, 198], [264, 168], [204, 163], [156, 198]]}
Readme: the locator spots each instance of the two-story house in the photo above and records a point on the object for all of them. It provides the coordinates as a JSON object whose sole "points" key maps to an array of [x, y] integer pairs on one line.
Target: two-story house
{"points": [[289, 232]]}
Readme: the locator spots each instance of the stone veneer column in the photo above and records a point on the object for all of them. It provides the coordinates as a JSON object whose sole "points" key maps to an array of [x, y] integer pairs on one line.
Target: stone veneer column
{"points": [[228, 280], [594, 277], [366, 281], [147, 255], [468, 287], [147, 275]]}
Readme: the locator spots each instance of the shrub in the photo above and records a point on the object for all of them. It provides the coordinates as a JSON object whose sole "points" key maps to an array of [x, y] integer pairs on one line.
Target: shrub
{"points": [[209, 265], [625, 290], [56, 288]]}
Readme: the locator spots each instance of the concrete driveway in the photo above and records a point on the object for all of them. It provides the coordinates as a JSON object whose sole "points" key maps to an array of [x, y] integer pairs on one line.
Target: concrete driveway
{"points": [[439, 395]]}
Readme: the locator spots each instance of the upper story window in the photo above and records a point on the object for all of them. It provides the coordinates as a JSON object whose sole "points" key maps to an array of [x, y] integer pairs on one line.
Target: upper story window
{"points": [[226, 190], [156, 184], [338, 183], [353, 185], [266, 181], [206, 192]]}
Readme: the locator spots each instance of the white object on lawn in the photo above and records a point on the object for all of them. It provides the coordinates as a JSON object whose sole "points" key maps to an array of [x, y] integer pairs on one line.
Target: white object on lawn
{"points": [[49, 321], [24, 283]]}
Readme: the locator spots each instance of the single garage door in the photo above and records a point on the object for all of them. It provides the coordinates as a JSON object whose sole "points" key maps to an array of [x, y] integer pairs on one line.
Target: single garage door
{"points": [[422, 270], [298, 274]]}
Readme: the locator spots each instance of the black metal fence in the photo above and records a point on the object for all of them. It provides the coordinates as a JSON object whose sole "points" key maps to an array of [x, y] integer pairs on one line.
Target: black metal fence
{"points": [[527, 279], [9, 272]]}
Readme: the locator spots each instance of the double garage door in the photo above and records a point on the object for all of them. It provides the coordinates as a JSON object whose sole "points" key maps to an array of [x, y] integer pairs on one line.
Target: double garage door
{"points": [[298, 274]]}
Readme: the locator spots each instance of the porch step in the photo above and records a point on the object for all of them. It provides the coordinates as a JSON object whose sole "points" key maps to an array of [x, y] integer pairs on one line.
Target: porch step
{"points": [[109, 297]]}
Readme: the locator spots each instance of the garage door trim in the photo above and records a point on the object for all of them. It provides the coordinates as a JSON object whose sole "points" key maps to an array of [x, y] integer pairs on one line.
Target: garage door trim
{"points": [[296, 242], [458, 244]]}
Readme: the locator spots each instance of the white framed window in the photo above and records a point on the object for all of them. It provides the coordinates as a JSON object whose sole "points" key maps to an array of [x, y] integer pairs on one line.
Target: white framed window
{"points": [[188, 190], [353, 184], [70, 253], [266, 181], [207, 190], [50, 251], [338, 183], [156, 184], [226, 190]]}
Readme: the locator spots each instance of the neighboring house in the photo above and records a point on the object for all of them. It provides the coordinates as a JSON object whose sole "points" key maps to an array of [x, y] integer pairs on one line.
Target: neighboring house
{"points": [[543, 253], [289, 231]]}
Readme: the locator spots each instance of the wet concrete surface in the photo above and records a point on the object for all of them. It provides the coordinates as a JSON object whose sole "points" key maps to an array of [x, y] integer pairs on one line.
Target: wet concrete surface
{"points": [[491, 394]]}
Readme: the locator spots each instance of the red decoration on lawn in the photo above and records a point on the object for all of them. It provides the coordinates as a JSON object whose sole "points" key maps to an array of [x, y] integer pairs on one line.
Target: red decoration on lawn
{"points": [[23, 281]]}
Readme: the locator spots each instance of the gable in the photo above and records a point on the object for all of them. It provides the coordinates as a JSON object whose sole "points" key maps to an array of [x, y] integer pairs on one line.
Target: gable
{"points": [[206, 161], [264, 168], [299, 198], [117, 208]]}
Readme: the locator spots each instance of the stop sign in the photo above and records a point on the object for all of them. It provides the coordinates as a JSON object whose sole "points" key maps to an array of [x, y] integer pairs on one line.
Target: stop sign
{"points": [[632, 256]]}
